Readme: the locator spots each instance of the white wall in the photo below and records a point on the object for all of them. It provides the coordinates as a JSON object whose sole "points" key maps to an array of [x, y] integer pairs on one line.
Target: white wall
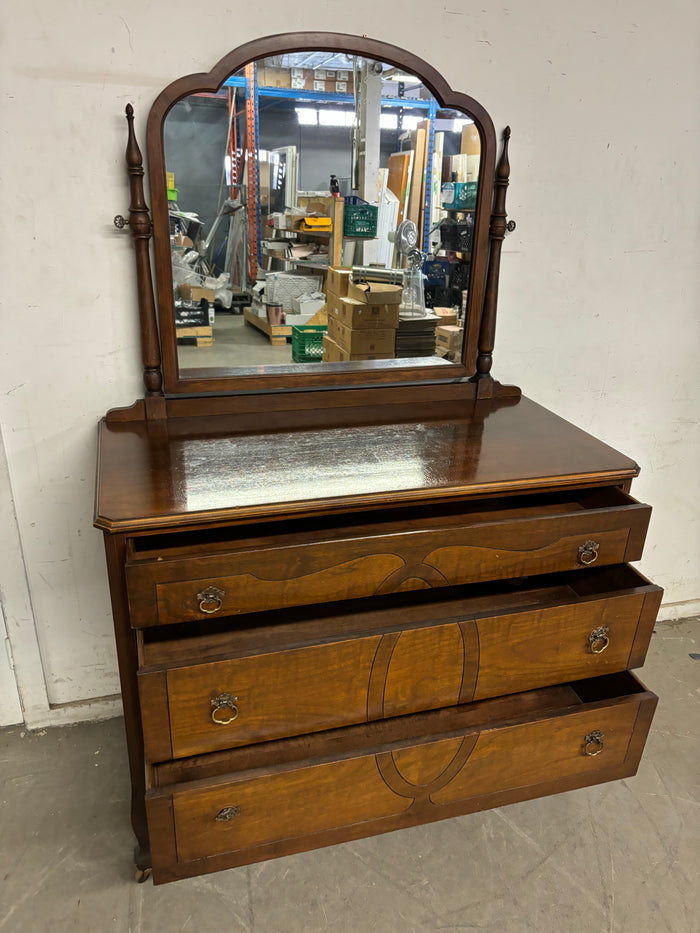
{"points": [[599, 284]]}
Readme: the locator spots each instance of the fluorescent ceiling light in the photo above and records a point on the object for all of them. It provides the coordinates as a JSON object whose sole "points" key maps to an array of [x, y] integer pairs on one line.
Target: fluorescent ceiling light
{"points": [[405, 79], [307, 116], [325, 116], [411, 123], [458, 125], [329, 117]]}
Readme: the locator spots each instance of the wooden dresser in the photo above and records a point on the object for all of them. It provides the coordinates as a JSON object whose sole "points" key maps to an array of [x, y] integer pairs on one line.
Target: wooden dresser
{"points": [[354, 597], [343, 631]]}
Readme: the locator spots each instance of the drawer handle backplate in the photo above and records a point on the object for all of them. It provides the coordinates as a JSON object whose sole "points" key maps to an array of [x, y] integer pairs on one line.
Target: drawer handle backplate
{"points": [[599, 639], [588, 552], [224, 709], [227, 814], [593, 743], [210, 600]]}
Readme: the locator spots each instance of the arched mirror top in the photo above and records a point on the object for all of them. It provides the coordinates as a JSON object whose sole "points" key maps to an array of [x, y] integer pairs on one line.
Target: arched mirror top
{"points": [[258, 171]]}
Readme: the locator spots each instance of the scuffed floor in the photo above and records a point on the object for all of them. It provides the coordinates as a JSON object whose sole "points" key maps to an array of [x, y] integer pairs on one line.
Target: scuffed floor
{"points": [[619, 858]]}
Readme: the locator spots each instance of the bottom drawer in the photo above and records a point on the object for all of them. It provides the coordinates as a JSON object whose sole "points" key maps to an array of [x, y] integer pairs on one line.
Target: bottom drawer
{"points": [[246, 805]]}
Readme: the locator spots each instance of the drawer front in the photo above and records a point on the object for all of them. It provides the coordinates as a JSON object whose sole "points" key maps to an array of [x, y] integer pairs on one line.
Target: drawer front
{"points": [[414, 781], [229, 703], [492, 547]]}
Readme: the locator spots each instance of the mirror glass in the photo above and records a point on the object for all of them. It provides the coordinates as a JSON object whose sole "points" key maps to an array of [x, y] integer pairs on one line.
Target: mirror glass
{"points": [[304, 163]]}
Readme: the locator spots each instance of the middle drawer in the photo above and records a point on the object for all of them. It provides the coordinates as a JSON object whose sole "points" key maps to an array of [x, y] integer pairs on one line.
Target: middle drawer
{"points": [[302, 672]]}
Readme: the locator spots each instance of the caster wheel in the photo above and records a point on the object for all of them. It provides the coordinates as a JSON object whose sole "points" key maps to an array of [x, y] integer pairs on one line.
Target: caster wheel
{"points": [[141, 875]]}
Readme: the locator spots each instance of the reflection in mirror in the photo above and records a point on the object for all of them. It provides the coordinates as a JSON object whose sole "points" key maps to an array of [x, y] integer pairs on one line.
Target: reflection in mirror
{"points": [[321, 210]]}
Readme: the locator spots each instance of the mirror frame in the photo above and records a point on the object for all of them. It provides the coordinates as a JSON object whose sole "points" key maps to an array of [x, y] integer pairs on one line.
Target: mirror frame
{"points": [[223, 381]]}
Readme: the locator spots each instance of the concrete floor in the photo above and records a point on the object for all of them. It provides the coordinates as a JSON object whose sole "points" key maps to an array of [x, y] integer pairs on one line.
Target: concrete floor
{"points": [[235, 344], [620, 858]]}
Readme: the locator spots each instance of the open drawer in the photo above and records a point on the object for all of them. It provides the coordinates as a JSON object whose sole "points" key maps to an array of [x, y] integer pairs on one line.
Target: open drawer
{"points": [[188, 576], [271, 675], [269, 800]]}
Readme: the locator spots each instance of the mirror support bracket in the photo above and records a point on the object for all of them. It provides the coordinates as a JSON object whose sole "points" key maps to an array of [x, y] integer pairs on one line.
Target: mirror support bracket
{"points": [[497, 232], [141, 229]]}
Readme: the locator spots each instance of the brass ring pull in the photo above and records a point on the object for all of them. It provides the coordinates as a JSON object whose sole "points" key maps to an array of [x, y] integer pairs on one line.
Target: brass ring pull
{"points": [[588, 552], [593, 743], [227, 814], [224, 709], [599, 639], [210, 600]]}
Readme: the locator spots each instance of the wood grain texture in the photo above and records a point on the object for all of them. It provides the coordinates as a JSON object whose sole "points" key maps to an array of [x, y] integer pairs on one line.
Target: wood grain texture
{"points": [[349, 797], [279, 694], [279, 806], [368, 526], [127, 659], [396, 556], [181, 476], [155, 716], [308, 689], [530, 753]]}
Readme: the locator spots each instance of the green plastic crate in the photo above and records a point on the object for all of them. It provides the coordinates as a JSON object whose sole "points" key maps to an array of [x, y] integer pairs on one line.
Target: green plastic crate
{"points": [[359, 218], [307, 342]]}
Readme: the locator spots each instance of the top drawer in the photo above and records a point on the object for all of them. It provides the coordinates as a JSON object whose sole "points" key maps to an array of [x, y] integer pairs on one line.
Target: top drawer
{"points": [[183, 577]]}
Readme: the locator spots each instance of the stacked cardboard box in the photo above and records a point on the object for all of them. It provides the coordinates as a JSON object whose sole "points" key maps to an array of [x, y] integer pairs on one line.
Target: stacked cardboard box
{"points": [[446, 315], [448, 340], [362, 319]]}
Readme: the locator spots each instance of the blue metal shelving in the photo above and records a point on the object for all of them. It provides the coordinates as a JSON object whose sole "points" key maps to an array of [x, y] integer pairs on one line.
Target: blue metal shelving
{"points": [[324, 97]]}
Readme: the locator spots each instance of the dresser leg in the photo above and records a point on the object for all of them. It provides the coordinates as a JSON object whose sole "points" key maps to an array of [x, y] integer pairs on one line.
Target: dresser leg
{"points": [[141, 874]]}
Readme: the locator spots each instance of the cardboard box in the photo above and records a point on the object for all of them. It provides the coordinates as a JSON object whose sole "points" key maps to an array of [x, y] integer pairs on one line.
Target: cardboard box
{"points": [[195, 293], [449, 336], [334, 353], [320, 318], [367, 341], [338, 280], [314, 202], [331, 351], [361, 316], [281, 221], [446, 315], [376, 293], [452, 356]]}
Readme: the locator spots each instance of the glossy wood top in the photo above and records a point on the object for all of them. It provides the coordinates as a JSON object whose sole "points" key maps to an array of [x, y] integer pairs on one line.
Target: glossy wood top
{"points": [[189, 471]]}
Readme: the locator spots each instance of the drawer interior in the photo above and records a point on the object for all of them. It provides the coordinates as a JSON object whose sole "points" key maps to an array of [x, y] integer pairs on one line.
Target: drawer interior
{"points": [[198, 543], [197, 642]]}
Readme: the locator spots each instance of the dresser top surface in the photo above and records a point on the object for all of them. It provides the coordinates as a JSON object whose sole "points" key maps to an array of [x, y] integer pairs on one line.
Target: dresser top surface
{"points": [[194, 471]]}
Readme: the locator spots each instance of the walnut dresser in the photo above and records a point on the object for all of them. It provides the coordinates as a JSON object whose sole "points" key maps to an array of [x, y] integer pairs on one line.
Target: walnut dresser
{"points": [[343, 609]]}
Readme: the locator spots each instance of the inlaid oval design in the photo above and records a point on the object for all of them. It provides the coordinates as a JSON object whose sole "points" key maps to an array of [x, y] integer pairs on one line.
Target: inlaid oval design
{"points": [[425, 670], [422, 765]]}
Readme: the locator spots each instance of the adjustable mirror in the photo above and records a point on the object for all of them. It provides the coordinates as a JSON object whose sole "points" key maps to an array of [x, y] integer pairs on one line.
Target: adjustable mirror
{"points": [[308, 186]]}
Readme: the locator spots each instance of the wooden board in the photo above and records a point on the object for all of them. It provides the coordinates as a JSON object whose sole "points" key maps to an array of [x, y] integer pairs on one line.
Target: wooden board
{"points": [[471, 144], [521, 447], [415, 202], [202, 335], [203, 331], [398, 180], [276, 333]]}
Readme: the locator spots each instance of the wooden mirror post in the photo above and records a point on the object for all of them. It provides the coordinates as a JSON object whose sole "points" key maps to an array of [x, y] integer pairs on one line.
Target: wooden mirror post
{"points": [[141, 227], [497, 232]]}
